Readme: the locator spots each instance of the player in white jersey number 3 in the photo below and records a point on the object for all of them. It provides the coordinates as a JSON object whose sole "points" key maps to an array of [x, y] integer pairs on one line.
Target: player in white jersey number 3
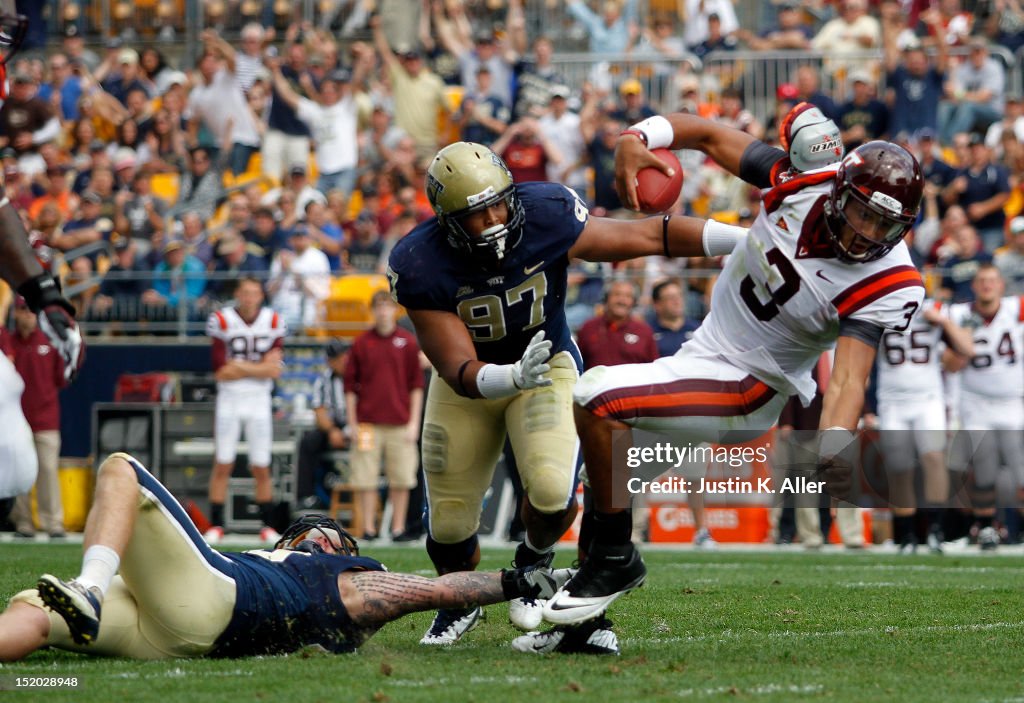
{"points": [[824, 266]]}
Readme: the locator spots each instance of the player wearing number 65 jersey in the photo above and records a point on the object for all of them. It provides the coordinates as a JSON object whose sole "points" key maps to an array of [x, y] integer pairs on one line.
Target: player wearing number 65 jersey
{"points": [[484, 283], [912, 415], [247, 343], [991, 392], [824, 266]]}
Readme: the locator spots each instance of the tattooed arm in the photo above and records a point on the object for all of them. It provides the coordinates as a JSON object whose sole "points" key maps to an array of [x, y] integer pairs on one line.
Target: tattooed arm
{"points": [[376, 597]]}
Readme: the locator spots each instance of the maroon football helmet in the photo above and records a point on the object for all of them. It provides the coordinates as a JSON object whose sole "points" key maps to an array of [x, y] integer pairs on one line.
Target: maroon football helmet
{"points": [[877, 193]]}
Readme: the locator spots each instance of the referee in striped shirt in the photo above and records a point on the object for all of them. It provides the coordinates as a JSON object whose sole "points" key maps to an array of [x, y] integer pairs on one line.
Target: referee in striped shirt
{"points": [[331, 418]]}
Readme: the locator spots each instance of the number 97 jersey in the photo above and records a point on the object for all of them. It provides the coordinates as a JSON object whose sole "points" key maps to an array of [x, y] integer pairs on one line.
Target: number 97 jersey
{"points": [[995, 369], [502, 307]]}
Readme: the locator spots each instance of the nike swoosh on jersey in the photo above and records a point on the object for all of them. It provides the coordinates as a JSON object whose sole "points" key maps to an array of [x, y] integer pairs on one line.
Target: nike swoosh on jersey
{"points": [[530, 269], [822, 276]]}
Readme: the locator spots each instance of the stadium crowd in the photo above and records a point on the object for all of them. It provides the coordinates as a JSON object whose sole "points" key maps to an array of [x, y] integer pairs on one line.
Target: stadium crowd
{"points": [[297, 153]]}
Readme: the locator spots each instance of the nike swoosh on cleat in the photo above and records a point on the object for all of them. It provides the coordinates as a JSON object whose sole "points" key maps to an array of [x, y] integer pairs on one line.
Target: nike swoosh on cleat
{"points": [[530, 269]]}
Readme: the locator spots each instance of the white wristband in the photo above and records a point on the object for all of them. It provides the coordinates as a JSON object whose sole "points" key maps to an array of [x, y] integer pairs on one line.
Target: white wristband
{"points": [[834, 441], [658, 131], [720, 239], [495, 381]]}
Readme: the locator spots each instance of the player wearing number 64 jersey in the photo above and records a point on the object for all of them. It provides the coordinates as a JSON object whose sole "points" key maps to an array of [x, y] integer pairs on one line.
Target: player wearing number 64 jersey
{"points": [[824, 266], [912, 416], [991, 392], [484, 283]]}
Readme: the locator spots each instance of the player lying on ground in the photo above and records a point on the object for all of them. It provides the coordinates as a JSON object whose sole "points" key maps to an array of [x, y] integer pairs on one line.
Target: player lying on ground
{"points": [[151, 588]]}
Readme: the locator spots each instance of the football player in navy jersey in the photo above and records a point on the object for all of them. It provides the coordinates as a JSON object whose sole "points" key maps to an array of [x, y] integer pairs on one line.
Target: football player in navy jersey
{"points": [[484, 283], [151, 588]]}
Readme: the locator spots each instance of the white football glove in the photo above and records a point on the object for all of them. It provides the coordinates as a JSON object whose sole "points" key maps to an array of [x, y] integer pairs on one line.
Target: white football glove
{"points": [[529, 371]]}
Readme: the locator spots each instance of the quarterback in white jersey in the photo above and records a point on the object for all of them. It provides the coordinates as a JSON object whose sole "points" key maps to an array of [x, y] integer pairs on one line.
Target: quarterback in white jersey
{"points": [[247, 343], [991, 391], [912, 415], [824, 266]]}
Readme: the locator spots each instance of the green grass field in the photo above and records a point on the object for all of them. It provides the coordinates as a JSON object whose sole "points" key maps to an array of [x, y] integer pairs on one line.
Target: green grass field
{"points": [[730, 625]]}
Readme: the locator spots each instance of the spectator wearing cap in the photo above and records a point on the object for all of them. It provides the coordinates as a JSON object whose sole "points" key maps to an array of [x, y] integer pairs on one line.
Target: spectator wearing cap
{"points": [[561, 126], [58, 192], [384, 398], [249, 60], [300, 279], [791, 31], [119, 74], [716, 40], [287, 137], [266, 234], [84, 225], [42, 370], [1010, 259], [332, 120], [122, 286], [293, 195], [527, 151], [219, 105], [27, 122], [482, 116], [981, 189], [179, 280], [234, 262], [863, 117], [698, 19], [633, 107], [975, 94], [329, 433], [1011, 123], [474, 50], [915, 84], [201, 185], [418, 92], [364, 249], [73, 44], [808, 87], [63, 89]]}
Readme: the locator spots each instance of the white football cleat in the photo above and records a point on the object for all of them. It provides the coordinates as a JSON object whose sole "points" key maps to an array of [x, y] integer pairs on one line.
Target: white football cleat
{"points": [[526, 613], [268, 535], [451, 624], [214, 535], [609, 572], [77, 605], [591, 637]]}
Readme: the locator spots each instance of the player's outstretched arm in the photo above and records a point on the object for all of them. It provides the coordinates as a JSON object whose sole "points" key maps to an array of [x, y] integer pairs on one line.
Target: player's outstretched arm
{"points": [[377, 597], [676, 131], [18, 263], [604, 239]]}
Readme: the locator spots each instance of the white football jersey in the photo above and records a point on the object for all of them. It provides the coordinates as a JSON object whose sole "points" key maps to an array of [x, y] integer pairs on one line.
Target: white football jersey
{"points": [[781, 296], [246, 342], [995, 369], [910, 362]]}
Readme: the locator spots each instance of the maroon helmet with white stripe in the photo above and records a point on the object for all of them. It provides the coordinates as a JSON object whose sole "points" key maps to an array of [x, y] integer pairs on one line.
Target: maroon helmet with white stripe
{"points": [[876, 196]]}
